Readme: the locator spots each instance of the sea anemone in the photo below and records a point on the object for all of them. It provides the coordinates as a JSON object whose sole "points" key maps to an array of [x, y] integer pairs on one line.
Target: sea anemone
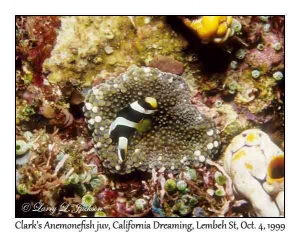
{"points": [[177, 131]]}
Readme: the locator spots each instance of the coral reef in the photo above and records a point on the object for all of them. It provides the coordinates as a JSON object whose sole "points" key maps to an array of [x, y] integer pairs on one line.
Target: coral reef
{"points": [[213, 77]]}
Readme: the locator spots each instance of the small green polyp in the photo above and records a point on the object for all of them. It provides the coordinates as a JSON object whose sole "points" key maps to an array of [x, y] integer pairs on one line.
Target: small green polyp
{"points": [[27, 135], [241, 53], [220, 193], [74, 178], [221, 180], [277, 46], [278, 75], [87, 200], [21, 147], [95, 183], [267, 27], [233, 86], [234, 65], [170, 185], [22, 189], [100, 214], [255, 74], [236, 25], [218, 103], [264, 18], [184, 210], [181, 185], [193, 201], [190, 174], [260, 47], [139, 205]]}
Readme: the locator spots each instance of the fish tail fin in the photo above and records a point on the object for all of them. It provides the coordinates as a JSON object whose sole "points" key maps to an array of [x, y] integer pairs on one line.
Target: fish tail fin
{"points": [[122, 148]]}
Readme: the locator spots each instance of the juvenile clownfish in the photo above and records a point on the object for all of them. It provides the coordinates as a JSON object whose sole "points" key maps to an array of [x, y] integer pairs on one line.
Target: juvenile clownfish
{"points": [[126, 123]]}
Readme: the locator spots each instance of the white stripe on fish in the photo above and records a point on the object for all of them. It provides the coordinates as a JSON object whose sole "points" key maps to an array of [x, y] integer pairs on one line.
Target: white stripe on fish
{"points": [[137, 107], [121, 121]]}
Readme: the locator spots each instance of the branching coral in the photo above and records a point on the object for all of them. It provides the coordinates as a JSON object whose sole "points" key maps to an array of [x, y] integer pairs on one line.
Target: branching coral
{"points": [[45, 173], [200, 190]]}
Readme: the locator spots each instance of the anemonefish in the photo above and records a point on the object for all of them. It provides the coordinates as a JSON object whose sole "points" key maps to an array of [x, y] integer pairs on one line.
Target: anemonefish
{"points": [[126, 123]]}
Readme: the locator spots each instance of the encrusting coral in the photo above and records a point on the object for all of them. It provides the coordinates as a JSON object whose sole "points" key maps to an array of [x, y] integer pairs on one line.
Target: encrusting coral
{"points": [[87, 45], [179, 135]]}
